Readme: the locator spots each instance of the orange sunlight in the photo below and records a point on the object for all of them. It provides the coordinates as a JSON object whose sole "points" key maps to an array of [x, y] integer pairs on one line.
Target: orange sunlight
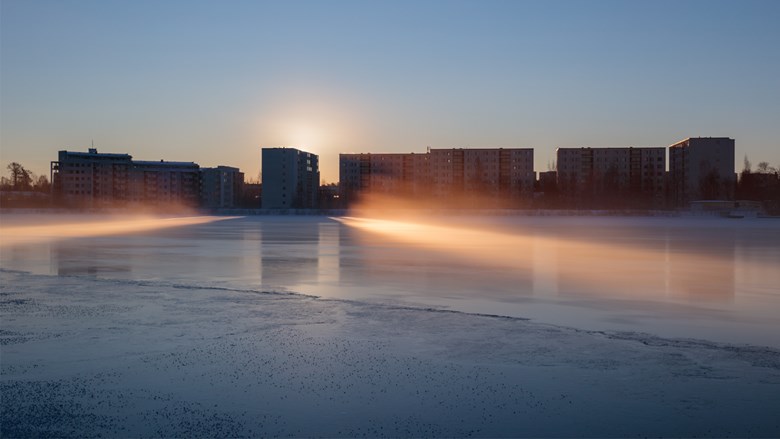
{"points": [[622, 268], [26, 234]]}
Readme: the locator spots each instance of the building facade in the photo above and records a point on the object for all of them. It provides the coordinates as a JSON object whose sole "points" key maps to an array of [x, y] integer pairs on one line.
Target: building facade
{"points": [[495, 175], [91, 179], [290, 179], [701, 168], [165, 183], [612, 176], [221, 187], [392, 173]]}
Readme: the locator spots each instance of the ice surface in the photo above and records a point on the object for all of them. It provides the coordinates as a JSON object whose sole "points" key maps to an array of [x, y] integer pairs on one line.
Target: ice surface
{"points": [[86, 357], [714, 279], [200, 331]]}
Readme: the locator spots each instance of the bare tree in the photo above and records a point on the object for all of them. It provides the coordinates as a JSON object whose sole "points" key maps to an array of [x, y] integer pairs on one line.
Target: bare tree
{"points": [[21, 178], [41, 184]]}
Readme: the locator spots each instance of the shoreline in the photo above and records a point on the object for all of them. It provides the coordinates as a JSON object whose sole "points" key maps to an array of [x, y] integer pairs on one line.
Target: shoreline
{"points": [[676, 213]]}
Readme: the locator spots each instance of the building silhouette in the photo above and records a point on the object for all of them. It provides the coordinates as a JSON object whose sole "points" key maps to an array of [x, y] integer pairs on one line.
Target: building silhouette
{"points": [[93, 179], [493, 177], [290, 179], [221, 187], [165, 183], [386, 173], [90, 178], [701, 168], [611, 177]]}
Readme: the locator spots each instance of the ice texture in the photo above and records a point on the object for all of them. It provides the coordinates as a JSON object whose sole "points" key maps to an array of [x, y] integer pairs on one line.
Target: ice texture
{"points": [[84, 356]]}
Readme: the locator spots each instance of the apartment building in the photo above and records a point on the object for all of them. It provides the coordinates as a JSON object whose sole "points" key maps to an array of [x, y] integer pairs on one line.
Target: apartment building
{"points": [[165, 183], [701, 168], [94, 179], [290, 178], [505, 173], [221, 187], [396, 173], [607, 175], [91, 179], [444, 174]]}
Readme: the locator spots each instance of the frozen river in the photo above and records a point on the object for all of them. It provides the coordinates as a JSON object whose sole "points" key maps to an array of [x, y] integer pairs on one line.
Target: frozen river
{"points": [[710, 278], [207, 327]]}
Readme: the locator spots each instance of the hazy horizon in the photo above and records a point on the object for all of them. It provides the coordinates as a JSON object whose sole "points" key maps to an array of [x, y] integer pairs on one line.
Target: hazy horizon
{"points": [[214, 83]]}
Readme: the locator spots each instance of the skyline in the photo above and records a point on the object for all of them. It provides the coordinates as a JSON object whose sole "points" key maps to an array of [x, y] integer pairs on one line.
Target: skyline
{"points": [[211, 83]]}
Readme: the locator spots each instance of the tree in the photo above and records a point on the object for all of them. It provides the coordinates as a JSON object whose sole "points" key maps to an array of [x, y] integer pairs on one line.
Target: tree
{"points": [[42, 184], [21, 178], [764, 168]]}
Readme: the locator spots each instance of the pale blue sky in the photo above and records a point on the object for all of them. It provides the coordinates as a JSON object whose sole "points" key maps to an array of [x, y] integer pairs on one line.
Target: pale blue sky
{"points": [[213, 82]]}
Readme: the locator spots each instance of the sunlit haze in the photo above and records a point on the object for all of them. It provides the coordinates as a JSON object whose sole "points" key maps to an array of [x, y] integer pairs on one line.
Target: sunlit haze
{"points": [[213, 83], [17, 230]]}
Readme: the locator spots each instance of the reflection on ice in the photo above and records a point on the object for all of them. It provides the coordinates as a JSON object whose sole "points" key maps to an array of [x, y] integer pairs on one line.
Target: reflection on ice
{"points": [[581, 265], [714, 279]]}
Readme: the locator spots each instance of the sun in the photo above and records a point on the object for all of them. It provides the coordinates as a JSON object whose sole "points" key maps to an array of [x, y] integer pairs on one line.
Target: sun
{"points": [[305, 135]]}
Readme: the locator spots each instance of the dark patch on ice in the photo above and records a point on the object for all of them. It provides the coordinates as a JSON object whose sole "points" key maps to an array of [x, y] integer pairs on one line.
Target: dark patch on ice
{"points": [[760, 356], [8, 338]]}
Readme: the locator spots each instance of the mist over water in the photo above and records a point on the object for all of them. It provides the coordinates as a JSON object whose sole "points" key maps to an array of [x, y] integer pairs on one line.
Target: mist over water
{"points": [[26, 229], [682, 277]]}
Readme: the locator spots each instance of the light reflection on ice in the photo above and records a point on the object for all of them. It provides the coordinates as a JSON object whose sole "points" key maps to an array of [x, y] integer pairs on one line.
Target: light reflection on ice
{"points": [[570, 266], [705, 278]]}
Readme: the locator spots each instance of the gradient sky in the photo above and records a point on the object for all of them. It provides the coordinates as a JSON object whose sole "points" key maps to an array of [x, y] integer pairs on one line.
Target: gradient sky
{"points": [[213, 82]]}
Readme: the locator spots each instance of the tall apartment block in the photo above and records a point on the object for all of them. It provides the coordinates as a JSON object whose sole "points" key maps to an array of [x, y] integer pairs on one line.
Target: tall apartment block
{"points": [[221, 187], [498, 174], [604, 175], [291, 179], [90, 178], [701, 168]]}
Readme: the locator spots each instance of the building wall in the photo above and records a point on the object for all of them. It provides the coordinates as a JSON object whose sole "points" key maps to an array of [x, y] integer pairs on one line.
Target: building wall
{"points": [[612, 175], [165, 183], [701, 168], [91, 178], [221, 187], [291, 178], [444, 174], [353, 175], [396, 174]]}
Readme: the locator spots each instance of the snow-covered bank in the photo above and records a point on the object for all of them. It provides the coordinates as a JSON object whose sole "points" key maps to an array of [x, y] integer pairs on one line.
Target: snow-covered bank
{"points": [[85, 357]]}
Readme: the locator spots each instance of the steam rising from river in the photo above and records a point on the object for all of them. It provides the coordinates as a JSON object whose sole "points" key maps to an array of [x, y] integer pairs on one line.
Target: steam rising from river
{"points": [[13, 233]]}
